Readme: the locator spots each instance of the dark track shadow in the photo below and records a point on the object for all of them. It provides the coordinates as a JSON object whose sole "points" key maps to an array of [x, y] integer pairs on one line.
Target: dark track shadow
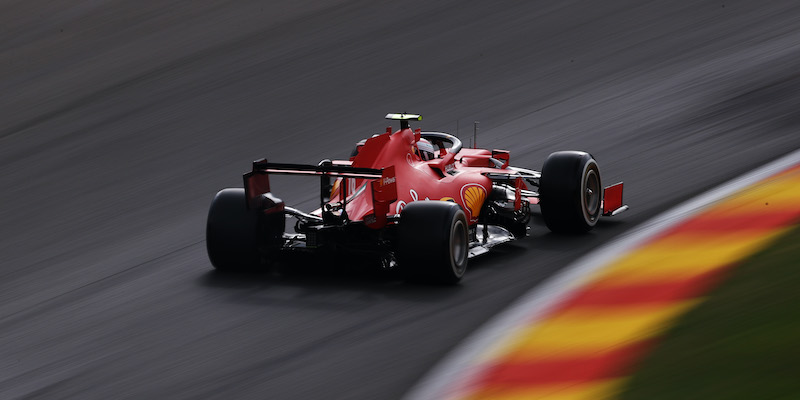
{"points": [[344, 282], [320, 282]]}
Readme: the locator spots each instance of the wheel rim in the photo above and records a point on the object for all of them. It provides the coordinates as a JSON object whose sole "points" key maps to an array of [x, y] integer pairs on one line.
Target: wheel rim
{"points": [[591, 195], [458, 247]]}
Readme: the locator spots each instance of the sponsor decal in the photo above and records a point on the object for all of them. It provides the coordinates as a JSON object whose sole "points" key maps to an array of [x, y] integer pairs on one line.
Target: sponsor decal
{"points": [[335, 187], [388, 181], [476, 194], [351, 186], [414, 197], [473, 196]]}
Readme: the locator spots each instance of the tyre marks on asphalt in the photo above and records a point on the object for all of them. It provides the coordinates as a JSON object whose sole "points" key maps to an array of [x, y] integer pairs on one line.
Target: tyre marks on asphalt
{"points": [[585, 345]]}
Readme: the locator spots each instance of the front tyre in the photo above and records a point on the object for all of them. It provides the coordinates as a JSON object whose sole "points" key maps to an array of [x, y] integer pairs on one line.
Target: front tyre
{"points": [[571, 192], [432, 241], [232, 233]]}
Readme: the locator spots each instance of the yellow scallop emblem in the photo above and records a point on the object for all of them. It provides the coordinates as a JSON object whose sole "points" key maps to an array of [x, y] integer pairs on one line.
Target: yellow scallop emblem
{"points": [[474, 196]]}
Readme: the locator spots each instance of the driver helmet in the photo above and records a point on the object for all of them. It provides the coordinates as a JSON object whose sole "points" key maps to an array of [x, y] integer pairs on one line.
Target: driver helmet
{"points": [[426, 151]]}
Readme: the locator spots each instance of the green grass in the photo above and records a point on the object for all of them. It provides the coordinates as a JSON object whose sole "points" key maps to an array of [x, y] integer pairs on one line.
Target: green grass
{"points": [[743, 342]]}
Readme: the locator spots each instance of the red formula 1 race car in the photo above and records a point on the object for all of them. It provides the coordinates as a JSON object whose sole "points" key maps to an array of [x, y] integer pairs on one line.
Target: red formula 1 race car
{"points": [[416, 201]]}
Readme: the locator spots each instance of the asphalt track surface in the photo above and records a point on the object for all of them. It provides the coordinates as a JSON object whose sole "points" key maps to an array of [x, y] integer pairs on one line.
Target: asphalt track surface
{"points": [[120, 120]]}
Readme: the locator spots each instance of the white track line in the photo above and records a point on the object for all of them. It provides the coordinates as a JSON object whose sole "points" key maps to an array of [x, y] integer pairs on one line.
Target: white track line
{"points": [[458, 367]]}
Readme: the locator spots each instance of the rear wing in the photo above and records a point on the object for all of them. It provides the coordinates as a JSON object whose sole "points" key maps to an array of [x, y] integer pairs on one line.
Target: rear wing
{"points": [[324, 169], [384, 186]]}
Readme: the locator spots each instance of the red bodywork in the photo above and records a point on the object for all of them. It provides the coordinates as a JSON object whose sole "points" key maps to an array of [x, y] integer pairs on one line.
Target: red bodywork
{"points": [[387, 173], [407, 178], [390, 203]]}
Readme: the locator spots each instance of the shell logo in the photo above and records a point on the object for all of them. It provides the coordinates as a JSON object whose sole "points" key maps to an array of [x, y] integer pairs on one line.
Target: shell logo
{"points": [[473, 196]]}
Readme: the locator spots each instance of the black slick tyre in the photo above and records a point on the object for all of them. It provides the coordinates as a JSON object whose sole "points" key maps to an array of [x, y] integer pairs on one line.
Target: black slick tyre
{"points": [[571, 192], [433, 242], [232, 233]]}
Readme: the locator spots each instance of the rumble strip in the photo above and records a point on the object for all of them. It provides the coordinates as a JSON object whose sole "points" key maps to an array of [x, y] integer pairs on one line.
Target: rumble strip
{"points": [[579, 335]]}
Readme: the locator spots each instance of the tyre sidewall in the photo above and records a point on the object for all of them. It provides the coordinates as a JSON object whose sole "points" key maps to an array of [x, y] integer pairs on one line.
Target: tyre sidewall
{"points": [[432, 242], [562, 190], [232, 232], [590, 171]]}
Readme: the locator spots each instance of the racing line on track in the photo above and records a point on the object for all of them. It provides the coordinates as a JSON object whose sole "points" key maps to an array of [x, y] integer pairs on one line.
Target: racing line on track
{"points": [[580, 335]]}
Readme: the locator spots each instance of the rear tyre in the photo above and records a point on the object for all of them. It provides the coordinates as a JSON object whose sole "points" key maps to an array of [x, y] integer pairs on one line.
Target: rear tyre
{"points": [[433, 241], [571, 192], [232, 233]]}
